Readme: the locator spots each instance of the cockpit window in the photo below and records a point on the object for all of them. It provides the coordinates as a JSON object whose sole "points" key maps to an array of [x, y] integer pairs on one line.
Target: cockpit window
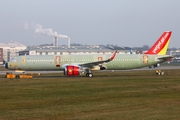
{"points": [[13, 60]]}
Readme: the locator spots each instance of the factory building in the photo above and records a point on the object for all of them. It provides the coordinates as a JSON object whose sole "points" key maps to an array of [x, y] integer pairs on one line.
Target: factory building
{"points": [[1, 56], [73, 50], [11, 50]]}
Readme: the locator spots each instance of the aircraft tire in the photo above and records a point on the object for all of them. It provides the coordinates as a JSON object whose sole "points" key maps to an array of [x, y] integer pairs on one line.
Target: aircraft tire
{"points": [[87, 74], [17, 76], [90, 75]]}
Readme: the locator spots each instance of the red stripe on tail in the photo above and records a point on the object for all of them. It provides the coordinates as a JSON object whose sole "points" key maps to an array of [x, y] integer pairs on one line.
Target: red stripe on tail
{"points": [[160, 43]]}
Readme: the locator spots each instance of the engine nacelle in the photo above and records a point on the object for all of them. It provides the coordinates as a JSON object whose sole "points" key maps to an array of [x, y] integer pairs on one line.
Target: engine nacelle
{"points": [[101, 67], [72, 70]]}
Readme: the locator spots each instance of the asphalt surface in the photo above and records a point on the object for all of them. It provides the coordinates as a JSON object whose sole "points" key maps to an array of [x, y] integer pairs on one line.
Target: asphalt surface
{"points": [[146, 68]]}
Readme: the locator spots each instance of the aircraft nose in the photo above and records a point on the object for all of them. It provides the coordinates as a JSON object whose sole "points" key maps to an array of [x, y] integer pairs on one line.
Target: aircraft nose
{"points": [[6, 65]]}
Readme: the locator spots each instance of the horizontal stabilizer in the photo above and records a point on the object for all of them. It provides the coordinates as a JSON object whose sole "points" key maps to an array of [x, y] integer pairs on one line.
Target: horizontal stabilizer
{"points": [[166, 58]]}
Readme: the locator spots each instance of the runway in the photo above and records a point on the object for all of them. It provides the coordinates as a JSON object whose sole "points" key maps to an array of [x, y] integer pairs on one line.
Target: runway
{"points": [[161, 68], [61, 72]]}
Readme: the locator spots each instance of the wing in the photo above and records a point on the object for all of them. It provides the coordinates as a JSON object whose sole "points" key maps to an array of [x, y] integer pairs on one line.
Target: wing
{"points": [[92, 64]]}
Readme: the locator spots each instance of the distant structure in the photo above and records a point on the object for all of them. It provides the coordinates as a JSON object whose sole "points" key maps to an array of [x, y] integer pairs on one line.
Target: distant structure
{"points": [[69, 43], [11, 50], [1, 56], [73, 50], [55, 44]]}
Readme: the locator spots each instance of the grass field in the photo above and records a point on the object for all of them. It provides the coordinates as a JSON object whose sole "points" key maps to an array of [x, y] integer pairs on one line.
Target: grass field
{"points": [[122, 95]]}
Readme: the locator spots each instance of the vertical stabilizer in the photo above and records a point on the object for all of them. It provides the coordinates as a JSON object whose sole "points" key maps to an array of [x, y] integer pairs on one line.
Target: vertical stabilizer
{"points": [[161, 45], [130, 50]]}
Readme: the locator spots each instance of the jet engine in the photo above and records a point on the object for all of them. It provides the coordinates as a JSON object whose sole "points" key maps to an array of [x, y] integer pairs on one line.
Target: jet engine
{"points": [[100, 67], [72, 70]]}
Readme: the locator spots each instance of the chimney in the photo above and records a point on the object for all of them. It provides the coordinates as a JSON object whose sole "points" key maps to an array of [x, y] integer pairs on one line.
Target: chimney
{"points": [[55, 44], [68, 42]]}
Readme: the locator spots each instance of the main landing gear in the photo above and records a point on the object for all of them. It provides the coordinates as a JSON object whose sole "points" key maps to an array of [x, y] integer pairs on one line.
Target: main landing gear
{"points": [[89, 73]]}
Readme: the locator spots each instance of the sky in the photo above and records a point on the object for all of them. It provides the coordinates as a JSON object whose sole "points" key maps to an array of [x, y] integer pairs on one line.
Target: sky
{"points": [[119, 22]]}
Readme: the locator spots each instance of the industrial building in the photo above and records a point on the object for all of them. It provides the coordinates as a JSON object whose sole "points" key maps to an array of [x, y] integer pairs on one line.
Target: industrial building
{"points": [[11, 50], [73, 50], [1, 56]]}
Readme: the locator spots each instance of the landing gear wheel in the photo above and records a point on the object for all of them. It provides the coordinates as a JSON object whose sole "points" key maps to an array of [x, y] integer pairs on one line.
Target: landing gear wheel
{"points": [[89, 75], [17, 76]]}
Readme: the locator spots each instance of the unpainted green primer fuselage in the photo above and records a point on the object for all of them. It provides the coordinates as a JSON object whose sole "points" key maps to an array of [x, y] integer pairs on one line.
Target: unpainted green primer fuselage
{"points": [[58, 62]]}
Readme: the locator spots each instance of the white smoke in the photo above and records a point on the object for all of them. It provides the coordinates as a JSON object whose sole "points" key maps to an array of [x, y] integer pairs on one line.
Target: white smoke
{"points": [[40, 30]]}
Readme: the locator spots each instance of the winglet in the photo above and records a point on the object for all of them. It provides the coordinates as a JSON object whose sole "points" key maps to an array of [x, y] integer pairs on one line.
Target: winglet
{"points": [[161, 45], [114, 54]]}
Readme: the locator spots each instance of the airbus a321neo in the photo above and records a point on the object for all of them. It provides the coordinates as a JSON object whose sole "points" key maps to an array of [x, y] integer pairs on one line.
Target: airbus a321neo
{"points": [[75, 65]]}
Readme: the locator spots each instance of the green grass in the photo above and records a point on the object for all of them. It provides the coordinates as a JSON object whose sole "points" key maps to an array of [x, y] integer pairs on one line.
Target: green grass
{"points": [[125, 95]]}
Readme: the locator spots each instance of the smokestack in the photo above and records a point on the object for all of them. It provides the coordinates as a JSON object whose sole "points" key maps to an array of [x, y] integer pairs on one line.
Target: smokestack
{"points": [[55, 44], [68, 42], [49, 32]]}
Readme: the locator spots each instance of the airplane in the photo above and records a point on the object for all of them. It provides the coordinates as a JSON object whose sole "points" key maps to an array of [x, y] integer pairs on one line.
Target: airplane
{"points": [[75, 65]]}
